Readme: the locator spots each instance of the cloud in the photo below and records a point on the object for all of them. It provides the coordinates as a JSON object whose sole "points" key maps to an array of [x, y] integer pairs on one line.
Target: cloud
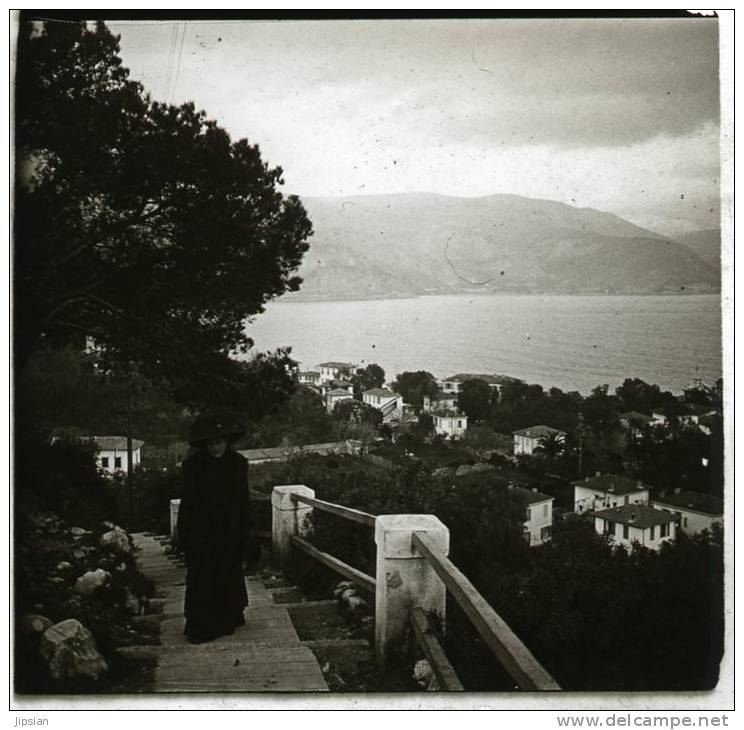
{"points": [[621, 115]]}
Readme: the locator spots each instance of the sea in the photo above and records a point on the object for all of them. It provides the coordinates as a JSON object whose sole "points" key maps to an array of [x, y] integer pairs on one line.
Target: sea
{"points": [[571, 342]]}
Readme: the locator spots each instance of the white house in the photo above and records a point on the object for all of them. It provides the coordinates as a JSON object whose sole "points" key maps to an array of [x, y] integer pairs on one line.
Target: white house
{"points": [[526, 440], [334, 370], [440, 402], [387, 401], [112, 452], [636, 523], [449, 423], [608, 490], [336, 395], [308, 377], [453, 383], [693, 511], [539, 517]]}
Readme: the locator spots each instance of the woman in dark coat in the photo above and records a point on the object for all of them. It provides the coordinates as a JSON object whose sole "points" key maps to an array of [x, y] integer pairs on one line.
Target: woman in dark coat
{"points": [[214, 529]]}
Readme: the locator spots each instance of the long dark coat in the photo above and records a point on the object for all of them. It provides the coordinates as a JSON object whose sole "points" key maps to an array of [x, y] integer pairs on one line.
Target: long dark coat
{"points": [[214, 533]]}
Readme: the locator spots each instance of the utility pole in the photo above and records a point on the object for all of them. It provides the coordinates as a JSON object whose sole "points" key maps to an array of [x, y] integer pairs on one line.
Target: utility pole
{"points": [[581, 443], [130, 470]]}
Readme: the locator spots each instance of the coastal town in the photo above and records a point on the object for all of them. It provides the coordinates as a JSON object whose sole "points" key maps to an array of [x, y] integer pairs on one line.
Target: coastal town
{"points": [[533, 496]]}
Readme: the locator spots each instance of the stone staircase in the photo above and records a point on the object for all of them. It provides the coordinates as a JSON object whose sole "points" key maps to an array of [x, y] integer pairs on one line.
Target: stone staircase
{"points": [[265, 655]]}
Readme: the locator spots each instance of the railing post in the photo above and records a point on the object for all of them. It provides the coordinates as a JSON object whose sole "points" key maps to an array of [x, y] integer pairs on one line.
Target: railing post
{"points": [[405, 580], [288, 518], [174, 506]]}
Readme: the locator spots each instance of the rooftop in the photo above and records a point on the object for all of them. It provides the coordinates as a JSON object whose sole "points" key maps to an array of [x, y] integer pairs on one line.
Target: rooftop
{"points": [[635, 416], [382, 392], [693, 500], [637, 515], [339, 391], [334, 364], [537, 432], [612, 483], [114, 443], [531, 495], [448, 413], [491, 379]]}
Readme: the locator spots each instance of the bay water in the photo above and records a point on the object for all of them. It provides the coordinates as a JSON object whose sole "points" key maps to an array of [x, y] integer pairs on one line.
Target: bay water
{"points": [[572, 342]]}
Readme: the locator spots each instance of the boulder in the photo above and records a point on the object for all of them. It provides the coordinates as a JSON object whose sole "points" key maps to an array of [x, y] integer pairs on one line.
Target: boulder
{"points": [[34, 623], [117, 541], [70, 651], [63, 566], [91, 581], [79, 532]]}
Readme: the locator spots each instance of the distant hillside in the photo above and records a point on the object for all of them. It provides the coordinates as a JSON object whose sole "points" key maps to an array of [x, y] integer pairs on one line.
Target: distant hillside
{"points": [[420, 243], [706, 245]]}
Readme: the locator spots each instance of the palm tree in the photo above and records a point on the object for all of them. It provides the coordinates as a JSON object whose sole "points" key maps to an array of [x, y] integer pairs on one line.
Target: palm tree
{"points": [[551, 446]]}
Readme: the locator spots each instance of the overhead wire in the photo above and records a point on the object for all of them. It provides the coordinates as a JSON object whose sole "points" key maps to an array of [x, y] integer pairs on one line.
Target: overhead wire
{"points": [[178, 63]]}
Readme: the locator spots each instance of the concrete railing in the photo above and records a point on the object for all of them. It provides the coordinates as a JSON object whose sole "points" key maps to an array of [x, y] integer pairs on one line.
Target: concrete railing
{"points": [[412, 577]]}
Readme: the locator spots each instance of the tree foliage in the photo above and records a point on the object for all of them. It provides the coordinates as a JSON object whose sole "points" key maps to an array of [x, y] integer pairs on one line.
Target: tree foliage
{"points": [[372, 376], [474, 399], [138, 223], [413, 386]]}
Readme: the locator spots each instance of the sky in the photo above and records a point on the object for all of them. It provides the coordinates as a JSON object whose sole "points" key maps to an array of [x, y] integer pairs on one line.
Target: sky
{"points": [[618, 115]]}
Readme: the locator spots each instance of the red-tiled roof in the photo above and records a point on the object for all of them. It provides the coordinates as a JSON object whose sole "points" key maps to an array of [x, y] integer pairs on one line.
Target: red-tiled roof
{"points": [[537, 432], [637, 515], [382, 392], [114, 443], [532, 496], [695, 501], [612, 483]]}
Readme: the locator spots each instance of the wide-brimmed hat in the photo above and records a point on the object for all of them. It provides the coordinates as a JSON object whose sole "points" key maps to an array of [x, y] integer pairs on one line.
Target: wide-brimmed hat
{"points": [[210, 426]]}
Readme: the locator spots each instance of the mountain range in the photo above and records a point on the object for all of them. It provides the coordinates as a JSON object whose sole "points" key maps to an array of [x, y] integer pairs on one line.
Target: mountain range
{"points": [[411, 244]]}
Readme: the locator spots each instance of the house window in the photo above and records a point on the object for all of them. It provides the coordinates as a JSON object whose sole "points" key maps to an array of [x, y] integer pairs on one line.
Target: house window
{"points": [[459, 424], [627, 499], [529, 515], [664, 531], [104, 462], [653, 533], [117, 462], [626, 532], [545, 510], [608, 527], [545, 533], [684, 522]]}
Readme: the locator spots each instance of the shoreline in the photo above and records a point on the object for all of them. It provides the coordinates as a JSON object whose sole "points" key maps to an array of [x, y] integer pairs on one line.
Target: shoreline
{"points": [[292, 299]]}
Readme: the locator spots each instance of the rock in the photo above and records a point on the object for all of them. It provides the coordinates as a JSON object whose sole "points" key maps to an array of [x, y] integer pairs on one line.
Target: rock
{"points": [[342, 587], [356, 604], [108, 525], [70, 650], [79, 554], [347, 595], [35, 623], [116, 540], [424, 676], [63, 565], [131, 602], [121, 567], [91, 581], [79, 532]]}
